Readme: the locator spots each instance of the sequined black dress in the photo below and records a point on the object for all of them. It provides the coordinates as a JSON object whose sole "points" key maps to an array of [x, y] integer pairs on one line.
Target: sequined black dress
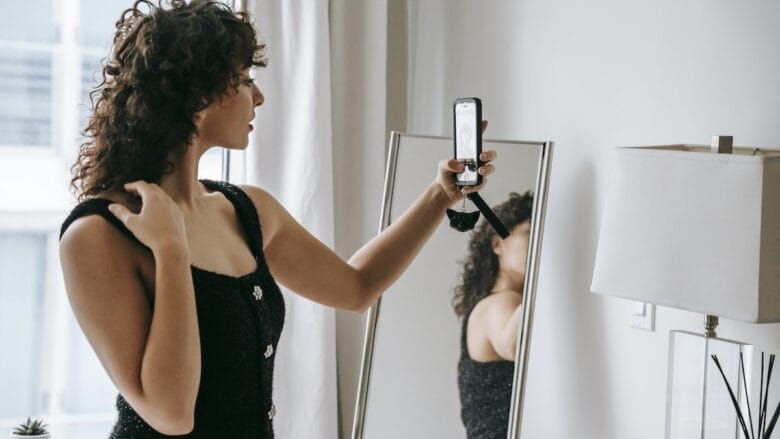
{"points": [[485, 392], [240, 321]]}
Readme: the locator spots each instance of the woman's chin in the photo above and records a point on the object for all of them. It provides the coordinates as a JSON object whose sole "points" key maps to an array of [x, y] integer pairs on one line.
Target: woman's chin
{"points": [[238, 146]]}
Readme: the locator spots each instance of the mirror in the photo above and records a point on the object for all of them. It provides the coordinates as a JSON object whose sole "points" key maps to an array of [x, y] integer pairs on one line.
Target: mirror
{"points": [[424, 374]]}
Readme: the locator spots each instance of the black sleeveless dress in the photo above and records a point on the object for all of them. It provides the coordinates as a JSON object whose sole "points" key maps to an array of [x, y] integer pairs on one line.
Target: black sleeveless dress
{"points": [[240, 321], [485, 392]]}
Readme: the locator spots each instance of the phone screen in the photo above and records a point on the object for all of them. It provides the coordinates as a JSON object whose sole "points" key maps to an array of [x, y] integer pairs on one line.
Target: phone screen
{"points": [[466, 140]]}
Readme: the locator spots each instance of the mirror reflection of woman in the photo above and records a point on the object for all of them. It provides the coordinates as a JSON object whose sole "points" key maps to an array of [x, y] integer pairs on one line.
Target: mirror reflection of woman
{"points": [[490, 302], [173, 279]]}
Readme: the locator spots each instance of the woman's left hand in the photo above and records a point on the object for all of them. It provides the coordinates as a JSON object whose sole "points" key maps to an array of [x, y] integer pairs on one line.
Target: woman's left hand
{"points": [[449, 168]]}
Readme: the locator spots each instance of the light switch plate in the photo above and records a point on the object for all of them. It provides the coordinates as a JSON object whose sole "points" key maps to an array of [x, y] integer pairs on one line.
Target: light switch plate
{"points": [[643, 316]]}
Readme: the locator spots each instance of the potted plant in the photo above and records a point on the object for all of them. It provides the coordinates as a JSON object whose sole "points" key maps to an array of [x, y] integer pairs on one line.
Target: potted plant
{"points": [[31, 429]]}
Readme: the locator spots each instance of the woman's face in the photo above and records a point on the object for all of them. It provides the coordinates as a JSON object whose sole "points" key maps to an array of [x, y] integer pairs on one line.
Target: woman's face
{"points": [[227, 122], [512, 252]]}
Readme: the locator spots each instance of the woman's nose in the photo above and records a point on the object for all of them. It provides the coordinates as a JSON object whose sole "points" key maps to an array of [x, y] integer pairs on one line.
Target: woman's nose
{"points": [[258, 96]]}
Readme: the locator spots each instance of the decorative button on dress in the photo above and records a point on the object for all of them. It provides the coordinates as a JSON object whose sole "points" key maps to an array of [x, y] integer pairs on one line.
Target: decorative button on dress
{"points": [[240, 321]]}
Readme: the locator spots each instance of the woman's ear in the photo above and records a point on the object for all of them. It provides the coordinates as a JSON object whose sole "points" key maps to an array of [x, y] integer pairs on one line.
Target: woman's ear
{"points": [[496, 244], [203, 112]]}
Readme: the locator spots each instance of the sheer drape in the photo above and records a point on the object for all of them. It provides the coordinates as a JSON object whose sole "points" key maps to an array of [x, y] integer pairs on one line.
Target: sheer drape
{"points": [[290, 155]]}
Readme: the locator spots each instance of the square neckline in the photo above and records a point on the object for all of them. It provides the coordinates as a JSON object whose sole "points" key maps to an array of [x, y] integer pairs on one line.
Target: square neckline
{"points": [[223, 275], [247, 241]]}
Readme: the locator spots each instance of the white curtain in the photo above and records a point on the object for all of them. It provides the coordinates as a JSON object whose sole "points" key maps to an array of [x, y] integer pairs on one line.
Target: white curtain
{"points": [[290, 155]]}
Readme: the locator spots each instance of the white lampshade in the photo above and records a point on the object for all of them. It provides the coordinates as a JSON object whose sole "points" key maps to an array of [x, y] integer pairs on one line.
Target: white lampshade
{"points": [[687, 228]]}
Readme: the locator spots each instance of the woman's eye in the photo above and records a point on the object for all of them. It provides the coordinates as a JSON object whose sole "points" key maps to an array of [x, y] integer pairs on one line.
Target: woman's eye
{"points": [[250, 81]]}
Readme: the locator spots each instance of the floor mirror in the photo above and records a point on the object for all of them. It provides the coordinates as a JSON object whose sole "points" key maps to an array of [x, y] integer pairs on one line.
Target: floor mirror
{"points": [[422, 369]]}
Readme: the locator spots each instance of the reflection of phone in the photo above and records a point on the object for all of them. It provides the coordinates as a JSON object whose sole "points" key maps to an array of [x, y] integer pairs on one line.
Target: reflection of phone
{"points": [[467, 118]]}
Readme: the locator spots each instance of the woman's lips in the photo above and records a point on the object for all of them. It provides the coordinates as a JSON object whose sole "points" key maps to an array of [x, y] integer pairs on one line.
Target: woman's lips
{"points": [[251, 127]]}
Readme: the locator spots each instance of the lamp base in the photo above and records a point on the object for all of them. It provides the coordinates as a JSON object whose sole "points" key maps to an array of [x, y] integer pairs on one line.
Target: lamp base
{"points": [[697, 402]]}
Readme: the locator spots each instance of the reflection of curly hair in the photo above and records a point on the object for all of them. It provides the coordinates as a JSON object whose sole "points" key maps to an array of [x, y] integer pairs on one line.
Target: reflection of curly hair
{"points": [[481, 265], [167, 65]]}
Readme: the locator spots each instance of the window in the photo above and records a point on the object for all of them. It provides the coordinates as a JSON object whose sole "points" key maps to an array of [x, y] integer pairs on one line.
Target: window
{"points": [[26, 42], [22, 266], [50, 55]]}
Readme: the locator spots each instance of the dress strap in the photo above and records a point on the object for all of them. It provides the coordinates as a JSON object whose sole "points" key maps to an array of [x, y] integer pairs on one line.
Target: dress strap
{"points": [[96, 206], [464, 328], [246, 211]]}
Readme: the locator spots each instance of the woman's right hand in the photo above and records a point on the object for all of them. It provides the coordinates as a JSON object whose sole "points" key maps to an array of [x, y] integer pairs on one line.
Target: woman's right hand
{"points": [[160, 223]]}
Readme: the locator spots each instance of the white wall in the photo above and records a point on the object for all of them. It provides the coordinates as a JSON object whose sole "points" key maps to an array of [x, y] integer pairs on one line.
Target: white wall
{"points": [[590, 76]]}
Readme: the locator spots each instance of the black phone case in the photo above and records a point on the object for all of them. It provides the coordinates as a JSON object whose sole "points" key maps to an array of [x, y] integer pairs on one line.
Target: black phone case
{"points": [[478, 103]]}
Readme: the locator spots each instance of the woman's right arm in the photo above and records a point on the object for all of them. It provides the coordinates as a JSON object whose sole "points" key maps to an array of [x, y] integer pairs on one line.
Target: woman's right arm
{"points": [[152, 358]]}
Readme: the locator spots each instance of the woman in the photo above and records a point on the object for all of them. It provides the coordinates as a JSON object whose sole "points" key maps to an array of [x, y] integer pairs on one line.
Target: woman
{"points": [[490, 303], [172, 279]]}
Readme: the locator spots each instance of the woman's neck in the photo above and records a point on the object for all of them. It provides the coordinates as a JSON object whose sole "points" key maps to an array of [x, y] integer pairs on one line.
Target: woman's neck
{"points": [[182, 184], [509, 281]]}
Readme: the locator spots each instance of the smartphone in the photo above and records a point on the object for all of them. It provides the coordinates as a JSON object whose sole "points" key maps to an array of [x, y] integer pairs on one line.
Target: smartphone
{"points": [[467, 139]]}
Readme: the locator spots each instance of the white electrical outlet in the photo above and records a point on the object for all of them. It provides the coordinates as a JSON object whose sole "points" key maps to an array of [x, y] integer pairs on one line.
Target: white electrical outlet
{"points": [[643, 316]]}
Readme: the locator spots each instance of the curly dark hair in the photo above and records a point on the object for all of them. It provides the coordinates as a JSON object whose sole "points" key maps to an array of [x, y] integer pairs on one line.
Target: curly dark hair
{"points": [[480, 267], [167, 64]]}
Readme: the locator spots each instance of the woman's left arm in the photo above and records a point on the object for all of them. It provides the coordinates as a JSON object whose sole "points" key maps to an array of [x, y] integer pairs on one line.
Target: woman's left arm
{"points": [[382, 260], [308, 267]]}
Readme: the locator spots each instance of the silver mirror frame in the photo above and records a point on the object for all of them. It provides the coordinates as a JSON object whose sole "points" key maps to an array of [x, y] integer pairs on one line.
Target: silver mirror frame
{"points": [[529, 299]]}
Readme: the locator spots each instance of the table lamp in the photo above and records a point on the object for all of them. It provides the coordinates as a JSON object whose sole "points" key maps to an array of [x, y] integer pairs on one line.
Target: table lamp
{"points": [[695, 228]]}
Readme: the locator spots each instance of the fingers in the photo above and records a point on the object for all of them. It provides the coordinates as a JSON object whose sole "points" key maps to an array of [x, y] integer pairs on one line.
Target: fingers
{"points": [[141, 188], [451, 165], [138, 189], [484, 125], [486, 170], [120, 212], [488, 156], [456, 166]]}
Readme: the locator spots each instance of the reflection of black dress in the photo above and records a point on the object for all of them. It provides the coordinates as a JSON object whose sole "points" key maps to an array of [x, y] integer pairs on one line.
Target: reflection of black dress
{"points": [[240, 321], [485, 392]]}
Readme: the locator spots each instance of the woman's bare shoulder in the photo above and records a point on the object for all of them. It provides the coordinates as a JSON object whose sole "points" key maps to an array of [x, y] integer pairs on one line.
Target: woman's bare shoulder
{"points": [[255, 192], [269, 210], [92, 237], [500, 301], [94, 223]]}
